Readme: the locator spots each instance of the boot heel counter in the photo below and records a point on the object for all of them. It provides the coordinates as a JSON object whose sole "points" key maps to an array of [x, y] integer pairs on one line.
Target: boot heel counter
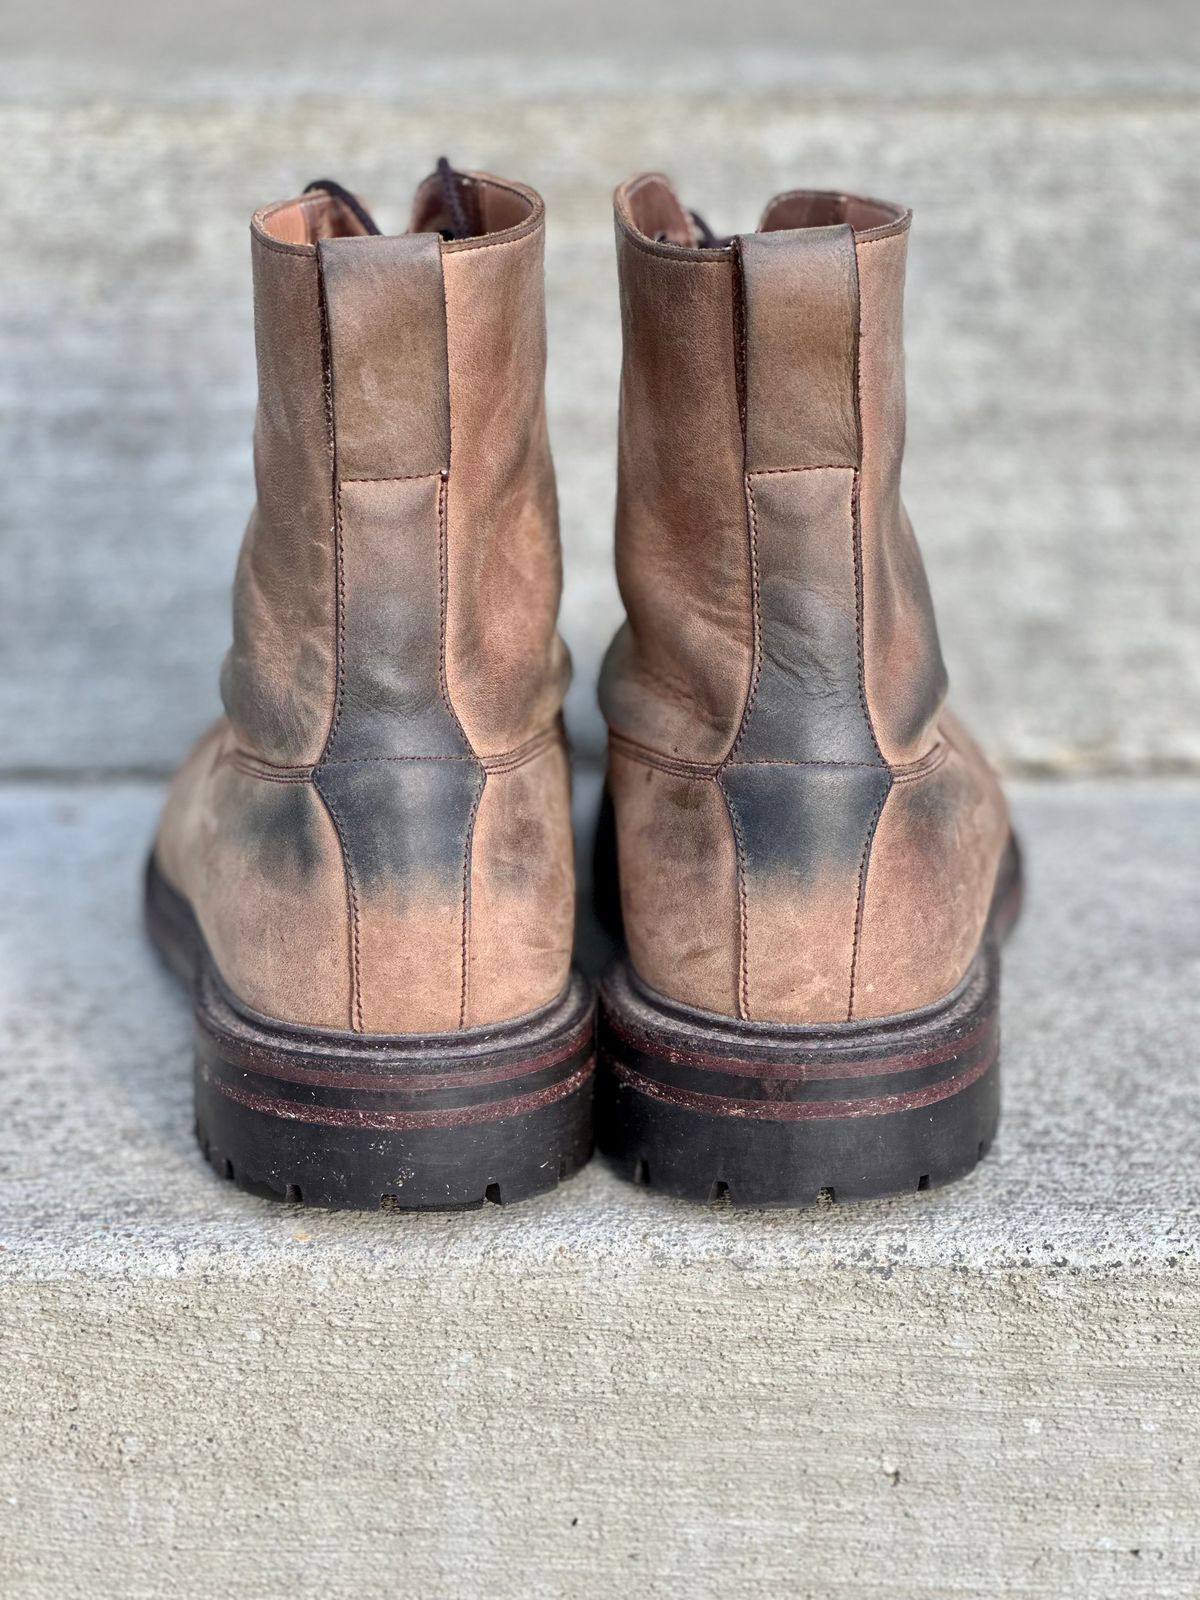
{"points": [[930, 879], [803, 834], [678, 873], [255, 855], [783, 893], [520, 891], [404, 828], [460, 885], [740, 889]]}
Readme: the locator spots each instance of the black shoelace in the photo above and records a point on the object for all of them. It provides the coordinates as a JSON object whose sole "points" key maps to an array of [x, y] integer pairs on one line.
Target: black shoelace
{"points": [[351, 202], [452, 197], [708, 240], [452, 183]]}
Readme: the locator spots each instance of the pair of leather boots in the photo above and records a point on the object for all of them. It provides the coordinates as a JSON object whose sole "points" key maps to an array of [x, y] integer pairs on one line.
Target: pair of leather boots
{"points": [[365, 869]]}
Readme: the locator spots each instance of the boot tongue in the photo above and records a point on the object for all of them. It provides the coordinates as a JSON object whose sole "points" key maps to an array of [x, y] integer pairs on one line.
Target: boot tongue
{"points": [[351, 202]]}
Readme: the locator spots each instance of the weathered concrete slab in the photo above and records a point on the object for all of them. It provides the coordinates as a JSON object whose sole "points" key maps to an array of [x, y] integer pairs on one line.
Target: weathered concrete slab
{"points": [[606, 1391], [1054, 370], [474, 47]]}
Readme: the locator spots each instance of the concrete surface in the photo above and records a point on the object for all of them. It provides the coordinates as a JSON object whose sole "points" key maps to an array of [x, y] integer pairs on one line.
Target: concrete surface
{"points": [[1054, 319], [989, 1391], [513, 50]]}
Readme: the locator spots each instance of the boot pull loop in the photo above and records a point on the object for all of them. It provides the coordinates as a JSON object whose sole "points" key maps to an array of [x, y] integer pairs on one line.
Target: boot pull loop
{"points": [[451, 182], [351, 202]]}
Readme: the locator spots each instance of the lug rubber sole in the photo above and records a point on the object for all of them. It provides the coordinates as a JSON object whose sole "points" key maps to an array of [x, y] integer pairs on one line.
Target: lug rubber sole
{"points": [[707, 1108], [442, 1122]]}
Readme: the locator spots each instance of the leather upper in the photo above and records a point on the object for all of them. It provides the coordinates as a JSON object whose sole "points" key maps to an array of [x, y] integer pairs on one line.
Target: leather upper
{"points": [[377, 836], [805, 833]]}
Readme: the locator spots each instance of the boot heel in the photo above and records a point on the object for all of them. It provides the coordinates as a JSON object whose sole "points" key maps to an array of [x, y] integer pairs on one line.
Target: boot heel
{"points": [[441, 1122], [707, 1108]]}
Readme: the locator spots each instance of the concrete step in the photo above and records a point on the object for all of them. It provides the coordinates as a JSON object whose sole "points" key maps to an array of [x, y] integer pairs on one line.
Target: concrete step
{"points": [[1053, 324], [987, 1391], [475, 48]]}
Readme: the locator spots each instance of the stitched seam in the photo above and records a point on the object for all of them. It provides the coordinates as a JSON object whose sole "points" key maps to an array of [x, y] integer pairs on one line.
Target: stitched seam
{"points": [[680, 769], [715, 259], [239, 753], [356, 1016], [646, 757], [649, 757], [859, 610], [399, 477], [443, 680], [741, 362], [339, 593], [838, 766], [468, 852], [923, 768], [340, 625], [915, 772], [756, 619], [828, 466], [464, 245], [279, 248], [741, 367], [366, 761], [739, 845], [856, 521], [270, 777], [443, 607], [519, 231], [506, 760], [674, 255], [860, 628], [862, 898]]}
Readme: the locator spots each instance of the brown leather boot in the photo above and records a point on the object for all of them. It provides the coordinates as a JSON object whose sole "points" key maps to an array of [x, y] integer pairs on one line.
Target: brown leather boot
{"points": [[365, 868], [815, 859]]}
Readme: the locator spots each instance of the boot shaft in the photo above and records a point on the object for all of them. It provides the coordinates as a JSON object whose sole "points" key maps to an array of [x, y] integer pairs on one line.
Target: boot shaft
{"points": [[779, 681], [386, 604], [769, 573], [378, 838]]}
